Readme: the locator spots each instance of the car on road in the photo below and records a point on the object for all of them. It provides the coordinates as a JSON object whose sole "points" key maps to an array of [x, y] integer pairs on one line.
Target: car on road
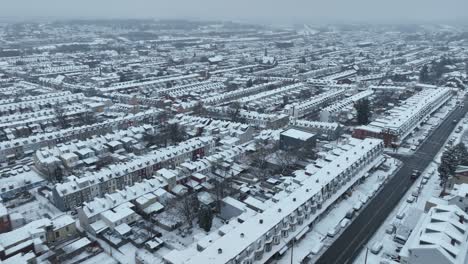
{"points": [[415, 174], [410, 199], [413, 147], [424, 181], [415, 193]]}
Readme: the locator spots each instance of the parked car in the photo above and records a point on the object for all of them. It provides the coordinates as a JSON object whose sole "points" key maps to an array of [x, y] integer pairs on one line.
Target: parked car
{"points": [[333, 231], [376, 247], [401, 215], [410, 199], [344, 222], [390, 229]]}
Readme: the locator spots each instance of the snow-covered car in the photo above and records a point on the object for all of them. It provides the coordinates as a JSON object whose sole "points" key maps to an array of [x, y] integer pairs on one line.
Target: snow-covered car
{"points": [[357, 206], [333, 231], [410, 199], [344, 223], [376, 247]]}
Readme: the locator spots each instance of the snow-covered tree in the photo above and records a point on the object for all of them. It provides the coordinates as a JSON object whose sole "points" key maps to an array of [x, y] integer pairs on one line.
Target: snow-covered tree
{"points": [[205, 218]]}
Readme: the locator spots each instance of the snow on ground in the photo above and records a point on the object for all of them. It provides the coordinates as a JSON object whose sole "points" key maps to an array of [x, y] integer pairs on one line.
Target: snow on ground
{"points": [[318, 235], [36, 209], [178, 240], [430, 189], [101, 258]]}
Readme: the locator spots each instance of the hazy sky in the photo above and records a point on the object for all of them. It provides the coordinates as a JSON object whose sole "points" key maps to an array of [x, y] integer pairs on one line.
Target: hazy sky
{"points": [[253, 10]]}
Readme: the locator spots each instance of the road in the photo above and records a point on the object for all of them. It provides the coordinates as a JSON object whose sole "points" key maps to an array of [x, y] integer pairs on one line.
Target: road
{"points": [[347, 247]]}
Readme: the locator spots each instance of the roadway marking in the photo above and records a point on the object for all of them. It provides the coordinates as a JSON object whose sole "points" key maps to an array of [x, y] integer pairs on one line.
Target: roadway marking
{"points": [[368, 222], [443, 133]]}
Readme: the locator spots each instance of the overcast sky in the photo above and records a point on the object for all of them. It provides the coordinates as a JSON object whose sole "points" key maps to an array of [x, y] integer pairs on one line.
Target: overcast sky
{"points": [[290, 11]]}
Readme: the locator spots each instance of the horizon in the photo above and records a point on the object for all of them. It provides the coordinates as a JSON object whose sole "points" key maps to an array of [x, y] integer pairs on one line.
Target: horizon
{"points": [[260, 11]]}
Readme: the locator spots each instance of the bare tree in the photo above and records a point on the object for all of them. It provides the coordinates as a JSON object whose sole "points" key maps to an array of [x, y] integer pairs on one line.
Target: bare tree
{"points": [[260, 158], [286, 159], [187, 205], [60, 115], [199, 109], [234, 111]]}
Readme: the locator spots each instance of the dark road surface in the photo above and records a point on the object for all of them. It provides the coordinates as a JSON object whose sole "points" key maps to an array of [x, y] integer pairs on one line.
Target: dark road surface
{"points": [[347, 247]]}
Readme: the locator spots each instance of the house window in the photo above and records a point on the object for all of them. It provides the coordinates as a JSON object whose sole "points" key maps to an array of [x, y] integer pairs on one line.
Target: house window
{"points": [[57, 234]]}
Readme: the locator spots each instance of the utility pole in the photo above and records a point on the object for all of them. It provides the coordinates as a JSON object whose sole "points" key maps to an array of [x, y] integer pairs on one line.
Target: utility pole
{"points": [[292, 250], [367, 251]]}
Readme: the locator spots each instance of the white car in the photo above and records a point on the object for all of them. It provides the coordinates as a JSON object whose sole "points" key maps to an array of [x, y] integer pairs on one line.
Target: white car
{"points": [[411, 199], [344, 222], [376, 247], [357, 206], [333, 231]]}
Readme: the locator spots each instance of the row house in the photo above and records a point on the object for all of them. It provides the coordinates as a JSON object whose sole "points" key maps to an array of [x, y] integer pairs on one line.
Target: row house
{"points": [[253, 118], [92, 215], [279, 92], [18, 147], [440, 237], [157, 84], [190, 170], [73, 193], [290, 216], [45, 118], [239, 93], [37, 234], [330, 113], [215, 127], [133, 100], [73, 154], [324, 130], [31, 106], [34, 97], [315, 103], [402, 120], [198, 87]]}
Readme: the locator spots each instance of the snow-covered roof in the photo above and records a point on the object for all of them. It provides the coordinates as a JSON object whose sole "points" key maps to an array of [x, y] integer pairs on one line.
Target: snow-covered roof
{"points": [[235, 241], [443, 229]]}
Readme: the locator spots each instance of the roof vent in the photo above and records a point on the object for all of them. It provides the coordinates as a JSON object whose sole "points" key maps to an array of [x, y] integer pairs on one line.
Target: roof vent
{"points": [[260, 221], [279, 210], [242, 235], [220, 250], [294, 199]]}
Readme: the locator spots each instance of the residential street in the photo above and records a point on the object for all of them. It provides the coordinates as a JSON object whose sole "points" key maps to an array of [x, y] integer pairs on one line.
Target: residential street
{"points": [[349, 244]]}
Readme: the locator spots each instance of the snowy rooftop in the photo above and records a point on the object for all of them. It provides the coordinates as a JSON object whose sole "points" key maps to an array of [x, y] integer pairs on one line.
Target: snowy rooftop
{"points": [[233, 243], [444, 229], [297, 134]]}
